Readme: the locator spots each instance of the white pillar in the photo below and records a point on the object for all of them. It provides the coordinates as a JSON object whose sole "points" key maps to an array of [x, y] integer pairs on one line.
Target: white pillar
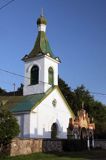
{"points": [[93, 145], [88, 144]]}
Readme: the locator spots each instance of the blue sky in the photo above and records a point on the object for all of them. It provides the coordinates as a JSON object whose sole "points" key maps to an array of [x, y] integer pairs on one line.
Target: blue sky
{"points": [[76, 31]]}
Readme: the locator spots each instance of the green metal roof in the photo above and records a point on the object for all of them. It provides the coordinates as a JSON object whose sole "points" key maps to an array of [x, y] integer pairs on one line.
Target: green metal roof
{"points": [[23, 103], [41, 46], [27, 103]]}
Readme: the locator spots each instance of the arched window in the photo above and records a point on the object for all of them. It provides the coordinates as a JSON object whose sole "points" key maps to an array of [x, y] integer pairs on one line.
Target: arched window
{"points": [[34, 75], [51, 76]]}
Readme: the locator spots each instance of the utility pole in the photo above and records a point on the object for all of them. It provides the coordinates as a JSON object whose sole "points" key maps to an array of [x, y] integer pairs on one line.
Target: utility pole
{"points": [[14, 86]]}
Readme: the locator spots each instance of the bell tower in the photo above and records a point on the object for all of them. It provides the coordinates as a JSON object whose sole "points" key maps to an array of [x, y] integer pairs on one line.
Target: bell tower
{"points": [[41, 66]]}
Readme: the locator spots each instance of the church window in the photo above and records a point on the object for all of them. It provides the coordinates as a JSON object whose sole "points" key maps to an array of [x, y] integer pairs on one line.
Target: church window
{"points": [[54, 102], [34, 75], [51, 76]]}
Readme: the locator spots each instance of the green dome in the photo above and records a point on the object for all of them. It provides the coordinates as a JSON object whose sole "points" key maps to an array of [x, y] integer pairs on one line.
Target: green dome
{"points": [[41, 20]]}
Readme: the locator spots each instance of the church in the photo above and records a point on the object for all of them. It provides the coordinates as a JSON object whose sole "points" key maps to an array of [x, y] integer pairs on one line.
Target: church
{"points": [[42, 111]]}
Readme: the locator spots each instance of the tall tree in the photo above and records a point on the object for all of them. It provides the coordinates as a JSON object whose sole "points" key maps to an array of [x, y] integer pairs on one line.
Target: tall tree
{"points": [[82, 95], [67, 92], [95, 109]]}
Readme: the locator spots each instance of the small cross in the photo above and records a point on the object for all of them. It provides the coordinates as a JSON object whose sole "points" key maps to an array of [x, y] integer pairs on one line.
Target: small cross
{"points": [[42, 12]]}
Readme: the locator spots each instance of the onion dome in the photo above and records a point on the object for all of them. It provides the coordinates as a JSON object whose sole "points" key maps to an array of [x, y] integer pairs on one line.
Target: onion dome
{"points": [[41, 46], [41, 20]]}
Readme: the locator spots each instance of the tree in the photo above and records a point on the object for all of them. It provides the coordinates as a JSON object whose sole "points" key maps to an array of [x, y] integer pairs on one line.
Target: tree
{"points": [[99, 114], [9, 127], [82, 95], [2, 92], [66, 90], [94, 108], [20, 89], [18, 92]]}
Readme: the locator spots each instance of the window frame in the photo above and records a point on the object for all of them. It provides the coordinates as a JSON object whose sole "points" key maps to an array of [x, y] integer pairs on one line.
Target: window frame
{"points": [[34, 75], [50, 76]]}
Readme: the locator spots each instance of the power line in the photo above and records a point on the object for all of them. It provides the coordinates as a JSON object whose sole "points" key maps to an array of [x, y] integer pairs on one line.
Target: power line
{"points": [[19, 75], [6, 4], [103, 94], [13, 73]]}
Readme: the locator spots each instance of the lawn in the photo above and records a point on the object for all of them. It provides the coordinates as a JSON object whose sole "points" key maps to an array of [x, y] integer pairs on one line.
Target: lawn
{"points": [[91, 155]]}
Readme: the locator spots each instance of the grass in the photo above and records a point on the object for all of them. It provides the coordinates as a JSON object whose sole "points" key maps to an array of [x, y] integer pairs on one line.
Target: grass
{"points": [[85, 155]]}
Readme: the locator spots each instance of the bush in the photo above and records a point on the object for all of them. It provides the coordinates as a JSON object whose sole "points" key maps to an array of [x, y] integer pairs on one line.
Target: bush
{"points": [[9, 127], [74, 145]]}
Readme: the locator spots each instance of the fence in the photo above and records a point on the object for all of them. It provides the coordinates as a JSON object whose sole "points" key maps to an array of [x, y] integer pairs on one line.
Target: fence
{"points": [[28, 146]]}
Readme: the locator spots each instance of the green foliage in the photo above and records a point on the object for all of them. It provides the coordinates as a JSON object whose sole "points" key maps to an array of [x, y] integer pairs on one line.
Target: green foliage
{"points": [[82, 95], [9, 127], [18, 92], [66, 90], [82, 155], [20, 89], [2, 91], [94, 108]]}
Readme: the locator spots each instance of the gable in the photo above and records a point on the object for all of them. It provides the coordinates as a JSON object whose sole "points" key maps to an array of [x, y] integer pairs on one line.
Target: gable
{"points": [[53, 97], [29, 103]]}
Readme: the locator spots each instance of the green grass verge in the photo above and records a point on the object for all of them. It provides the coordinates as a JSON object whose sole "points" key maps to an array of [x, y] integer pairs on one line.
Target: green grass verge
{"points": [[91, 155]]}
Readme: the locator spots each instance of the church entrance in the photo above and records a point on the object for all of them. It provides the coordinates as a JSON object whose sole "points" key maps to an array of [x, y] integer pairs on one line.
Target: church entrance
{"points": [[54, 131]]}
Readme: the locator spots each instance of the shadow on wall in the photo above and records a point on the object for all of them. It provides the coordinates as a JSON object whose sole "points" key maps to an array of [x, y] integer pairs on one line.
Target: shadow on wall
{"points": [[56, 132]]}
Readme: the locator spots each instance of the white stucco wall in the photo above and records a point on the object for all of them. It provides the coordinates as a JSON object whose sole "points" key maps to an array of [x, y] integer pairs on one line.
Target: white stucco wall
{"points": [[49, 62], [43, 63], [46, 114], [33, 124], [18, 117], [23, 120], [32, 89], [38, 122]]}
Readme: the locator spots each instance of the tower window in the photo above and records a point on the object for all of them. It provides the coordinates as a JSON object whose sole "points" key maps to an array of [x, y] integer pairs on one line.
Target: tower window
{"points": [[51, 76], [34, 75]]}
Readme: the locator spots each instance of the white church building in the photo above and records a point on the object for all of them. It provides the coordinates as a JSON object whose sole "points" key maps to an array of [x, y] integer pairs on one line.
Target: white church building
{"points": [[42, 111]]}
